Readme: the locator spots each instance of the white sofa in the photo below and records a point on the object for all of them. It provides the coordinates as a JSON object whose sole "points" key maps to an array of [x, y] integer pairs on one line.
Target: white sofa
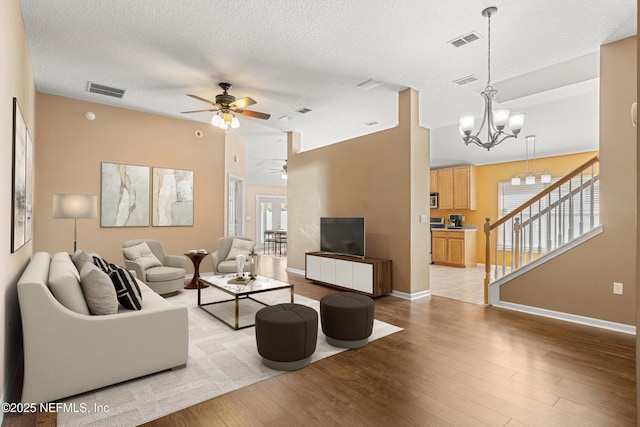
{"points": [[67, 352]]}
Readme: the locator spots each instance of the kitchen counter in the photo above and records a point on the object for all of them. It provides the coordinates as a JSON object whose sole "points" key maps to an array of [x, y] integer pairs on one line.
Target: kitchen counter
{"points": [[464, 228]]}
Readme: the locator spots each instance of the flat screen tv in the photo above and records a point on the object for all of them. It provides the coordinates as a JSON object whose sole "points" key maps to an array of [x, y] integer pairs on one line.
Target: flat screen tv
{"points": [[344, 236]]}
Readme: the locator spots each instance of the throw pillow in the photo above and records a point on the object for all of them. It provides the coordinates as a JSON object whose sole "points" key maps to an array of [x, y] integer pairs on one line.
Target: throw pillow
{"points": [[127, 289], [80, 258], [99, 292], [103, 264], [141, 254], [239, 246]]}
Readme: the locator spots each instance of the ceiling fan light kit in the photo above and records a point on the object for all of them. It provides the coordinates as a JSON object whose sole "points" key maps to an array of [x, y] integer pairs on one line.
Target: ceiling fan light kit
{"points": [[495, 120], [226, 108]]}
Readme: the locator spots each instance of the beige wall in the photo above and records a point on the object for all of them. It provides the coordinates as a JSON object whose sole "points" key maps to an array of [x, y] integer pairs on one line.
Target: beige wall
{"points": [[374, 176], [254, 191], [581, 281], [16, 80], [69, 156], [235, 164]]}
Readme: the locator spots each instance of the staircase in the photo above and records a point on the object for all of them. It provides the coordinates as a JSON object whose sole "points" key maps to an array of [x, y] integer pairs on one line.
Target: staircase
{"points": [[555, 220]]}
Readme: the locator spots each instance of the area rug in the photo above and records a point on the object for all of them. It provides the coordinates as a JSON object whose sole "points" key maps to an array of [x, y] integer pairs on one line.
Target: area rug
{"points": [[221, 360]]}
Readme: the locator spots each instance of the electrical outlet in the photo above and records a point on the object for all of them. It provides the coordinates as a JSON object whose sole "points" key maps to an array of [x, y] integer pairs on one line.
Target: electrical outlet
{"points": [[617, 288]]}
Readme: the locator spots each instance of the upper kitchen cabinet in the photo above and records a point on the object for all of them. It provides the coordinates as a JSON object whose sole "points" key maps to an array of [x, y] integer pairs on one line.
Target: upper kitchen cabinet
{"points": [[456, 187]]}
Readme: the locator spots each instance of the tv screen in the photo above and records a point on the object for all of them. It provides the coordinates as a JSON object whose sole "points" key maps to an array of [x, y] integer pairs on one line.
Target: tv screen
{"points": [[343, 236]]}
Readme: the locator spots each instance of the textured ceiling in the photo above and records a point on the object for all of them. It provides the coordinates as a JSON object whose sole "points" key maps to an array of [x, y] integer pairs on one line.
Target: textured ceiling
{"points": [[289, 54]]}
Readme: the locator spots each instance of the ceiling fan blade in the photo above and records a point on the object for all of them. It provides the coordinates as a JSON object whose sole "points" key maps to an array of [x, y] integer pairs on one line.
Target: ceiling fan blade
{"points": [[196, 111], [202, 99], [242, 102], [254, 114]]}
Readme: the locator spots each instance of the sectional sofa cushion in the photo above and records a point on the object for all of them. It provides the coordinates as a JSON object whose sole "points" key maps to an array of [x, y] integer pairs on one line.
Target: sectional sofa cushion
{"points": [[127, 289], [142, 254], [64, 282], [99, 291], [239, 246], [102, 264]]}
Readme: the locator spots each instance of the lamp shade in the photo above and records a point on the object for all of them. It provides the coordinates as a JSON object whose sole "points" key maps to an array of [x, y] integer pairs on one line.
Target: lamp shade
{"points": [[501, 117], [467, 123], [515, 180], [530, 180], [75, 206], [516, 122]]}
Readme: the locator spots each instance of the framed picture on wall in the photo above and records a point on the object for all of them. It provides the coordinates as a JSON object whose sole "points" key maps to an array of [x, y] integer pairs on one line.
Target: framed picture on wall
{"points": [[172, 197], [124, 196], [22, 181]]}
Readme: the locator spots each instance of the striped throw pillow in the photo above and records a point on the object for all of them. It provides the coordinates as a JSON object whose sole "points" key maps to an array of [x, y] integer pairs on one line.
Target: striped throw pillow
{"points": [[127, 289]]}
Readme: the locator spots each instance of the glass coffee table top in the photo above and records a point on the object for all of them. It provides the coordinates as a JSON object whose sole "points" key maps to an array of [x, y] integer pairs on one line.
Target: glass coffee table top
{"points": [[239, 292]]}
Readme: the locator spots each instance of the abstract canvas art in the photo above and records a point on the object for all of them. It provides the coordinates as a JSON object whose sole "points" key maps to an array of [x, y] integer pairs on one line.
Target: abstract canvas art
{"points": [[22, 200], [172, 197], [124, 195]]}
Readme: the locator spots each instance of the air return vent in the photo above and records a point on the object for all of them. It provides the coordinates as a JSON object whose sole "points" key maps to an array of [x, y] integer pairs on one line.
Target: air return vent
{"points": [[465, 80], [304, 110], [466, 39], [105, 90]]}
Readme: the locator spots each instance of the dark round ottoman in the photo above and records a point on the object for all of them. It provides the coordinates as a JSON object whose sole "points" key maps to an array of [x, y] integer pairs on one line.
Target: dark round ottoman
{"points": [[347, 319], [286, 335]]}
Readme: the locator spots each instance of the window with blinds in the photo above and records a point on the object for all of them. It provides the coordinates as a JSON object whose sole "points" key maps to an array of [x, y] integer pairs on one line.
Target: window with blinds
{"points": [[555, 219]]}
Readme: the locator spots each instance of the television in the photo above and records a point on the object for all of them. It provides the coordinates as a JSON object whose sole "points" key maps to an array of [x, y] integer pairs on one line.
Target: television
{"points": [[343, 236]]}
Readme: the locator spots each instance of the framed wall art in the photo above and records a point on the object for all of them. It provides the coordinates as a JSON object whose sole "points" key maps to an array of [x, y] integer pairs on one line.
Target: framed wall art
{"points": [[124, 197], [172, 197], [22, 181]]}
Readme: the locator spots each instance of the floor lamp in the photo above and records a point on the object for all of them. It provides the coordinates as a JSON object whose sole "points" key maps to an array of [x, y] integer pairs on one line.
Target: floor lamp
{"points": [[75, 206]]}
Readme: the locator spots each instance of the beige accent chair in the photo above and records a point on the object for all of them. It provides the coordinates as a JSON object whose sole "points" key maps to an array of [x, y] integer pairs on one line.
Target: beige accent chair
{"points": [[222, 265], [166, 279]]}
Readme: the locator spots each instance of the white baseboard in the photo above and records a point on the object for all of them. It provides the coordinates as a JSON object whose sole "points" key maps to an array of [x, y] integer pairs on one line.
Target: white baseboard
{"points": [[295, 270], [411, 297], [567, 317]]}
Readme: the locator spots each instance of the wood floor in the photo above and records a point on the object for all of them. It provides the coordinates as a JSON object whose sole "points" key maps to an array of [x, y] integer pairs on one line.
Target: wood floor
{"points": [[454, 364]]}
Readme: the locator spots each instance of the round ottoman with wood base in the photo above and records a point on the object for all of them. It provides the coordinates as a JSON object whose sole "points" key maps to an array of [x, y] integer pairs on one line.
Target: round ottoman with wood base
{"points": [[286, 335], [347, 319]]}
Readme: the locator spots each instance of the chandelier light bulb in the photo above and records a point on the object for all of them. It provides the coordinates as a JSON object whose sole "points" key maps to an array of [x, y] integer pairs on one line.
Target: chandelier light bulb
{"points": [[216, 120], [235, 123], [516, 122]]}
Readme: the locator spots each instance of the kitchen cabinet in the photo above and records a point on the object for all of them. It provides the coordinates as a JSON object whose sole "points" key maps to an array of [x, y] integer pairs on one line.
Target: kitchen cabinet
{"points": [[445, 188], [455, 248], [456, 187], [433, 181], [464, 187]]}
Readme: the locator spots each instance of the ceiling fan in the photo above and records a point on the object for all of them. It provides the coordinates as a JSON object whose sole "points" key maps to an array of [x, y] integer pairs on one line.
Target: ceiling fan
{"points": [[227, 106], [282, 171]]}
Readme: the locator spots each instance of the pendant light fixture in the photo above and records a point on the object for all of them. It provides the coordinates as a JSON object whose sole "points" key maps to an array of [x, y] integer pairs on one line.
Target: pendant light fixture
{"points": [[530, 177], [497, 120]]}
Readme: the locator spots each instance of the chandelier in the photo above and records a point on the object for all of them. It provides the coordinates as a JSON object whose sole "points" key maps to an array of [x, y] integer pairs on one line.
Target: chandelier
{"points": [[496, 120], [530, 177], [225, 119]]}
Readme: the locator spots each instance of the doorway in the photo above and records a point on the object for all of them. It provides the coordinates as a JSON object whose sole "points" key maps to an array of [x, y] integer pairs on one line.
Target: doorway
{"points": [[272, 215]]}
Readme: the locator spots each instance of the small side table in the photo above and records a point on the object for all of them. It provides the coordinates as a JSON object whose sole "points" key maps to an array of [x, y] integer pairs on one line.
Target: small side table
{"points": [[196, 257]]}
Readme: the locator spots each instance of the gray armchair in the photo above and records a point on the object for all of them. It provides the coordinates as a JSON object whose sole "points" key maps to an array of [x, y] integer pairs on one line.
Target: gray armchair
{"points": [[165, 279], [223, 262]]}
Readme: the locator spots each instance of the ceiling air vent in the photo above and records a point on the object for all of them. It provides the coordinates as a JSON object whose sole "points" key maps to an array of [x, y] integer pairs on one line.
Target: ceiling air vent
{"points": [[303, 110], [463, 40], [105, 90], [465, 80], [372, 123]]}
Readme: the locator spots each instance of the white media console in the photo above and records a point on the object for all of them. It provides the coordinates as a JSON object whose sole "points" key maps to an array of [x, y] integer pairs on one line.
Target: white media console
{"points": [[370, 276]]}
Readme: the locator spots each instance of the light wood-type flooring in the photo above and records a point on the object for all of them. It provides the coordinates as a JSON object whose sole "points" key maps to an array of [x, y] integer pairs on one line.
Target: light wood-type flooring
{"points": [[454, 364]]}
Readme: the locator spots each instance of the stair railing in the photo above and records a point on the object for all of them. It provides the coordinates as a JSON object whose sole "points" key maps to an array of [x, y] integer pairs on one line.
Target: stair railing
{"points": [[558, 214]]}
